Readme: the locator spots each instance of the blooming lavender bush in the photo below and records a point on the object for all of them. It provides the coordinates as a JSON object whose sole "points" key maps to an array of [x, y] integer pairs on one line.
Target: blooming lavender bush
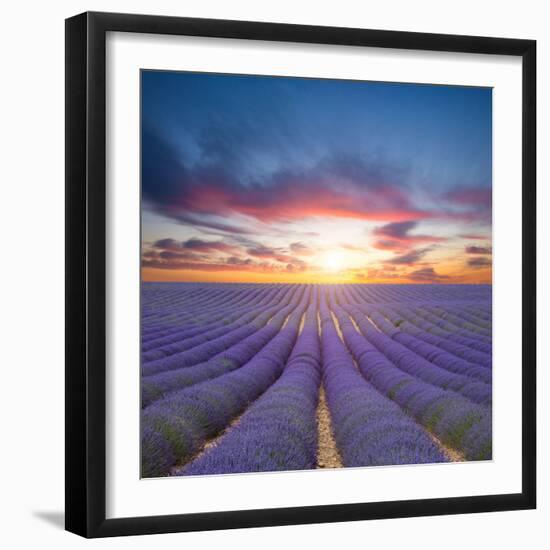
{"points": [[448, 415], [232, 375], [369, 428], [219, 323], [278, 431], [186, 418], [155, 386]]}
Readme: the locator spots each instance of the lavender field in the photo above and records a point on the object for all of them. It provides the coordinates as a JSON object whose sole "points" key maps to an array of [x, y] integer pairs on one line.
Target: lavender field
{"points": [[273, 377]]}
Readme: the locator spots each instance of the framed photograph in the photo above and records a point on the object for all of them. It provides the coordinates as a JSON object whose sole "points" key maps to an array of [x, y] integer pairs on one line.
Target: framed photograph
{"points": [[300, 274]]}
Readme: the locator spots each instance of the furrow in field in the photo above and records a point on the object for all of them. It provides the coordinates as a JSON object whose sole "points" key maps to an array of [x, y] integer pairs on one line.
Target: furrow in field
{"points": [[328, 455]]}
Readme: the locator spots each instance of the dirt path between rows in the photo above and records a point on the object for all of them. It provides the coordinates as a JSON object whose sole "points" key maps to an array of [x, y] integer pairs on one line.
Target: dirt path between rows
{"points": [[327, 451], [452, 454]]}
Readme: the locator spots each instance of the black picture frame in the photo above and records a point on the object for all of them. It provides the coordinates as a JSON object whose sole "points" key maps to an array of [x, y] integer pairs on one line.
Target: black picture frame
{"points": [[86, 274]]}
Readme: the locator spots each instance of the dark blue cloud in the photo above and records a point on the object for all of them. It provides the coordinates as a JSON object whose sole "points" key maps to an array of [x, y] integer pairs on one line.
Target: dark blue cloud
{"points": [[241, 136]]}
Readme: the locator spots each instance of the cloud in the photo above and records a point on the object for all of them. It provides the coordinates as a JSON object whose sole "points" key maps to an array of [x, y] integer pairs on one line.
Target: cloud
{"points": [[208, 246], [223, 181], [389, 244], [469, 203], [179, 264], [471, 196], [396, 230], [234, 260], [301, 249], [199, 254], [409, 258], [296, 266], [296, 199], [426, 275], [195, 245], [268, 253], [479, 250], [167, 244], [220, 184], [479, 262], [208, 223], [179, 261], [150, 254], [262, 251], [162, 170], [473, 236], [183, 255], [396, 236]]}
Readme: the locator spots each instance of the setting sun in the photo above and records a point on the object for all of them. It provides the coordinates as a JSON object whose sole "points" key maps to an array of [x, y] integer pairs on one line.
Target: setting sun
{"points": [[332, 261]]}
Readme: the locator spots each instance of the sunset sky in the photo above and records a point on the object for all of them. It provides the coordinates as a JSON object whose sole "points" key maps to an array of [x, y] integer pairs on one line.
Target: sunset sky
{"points": [[269, 179]]}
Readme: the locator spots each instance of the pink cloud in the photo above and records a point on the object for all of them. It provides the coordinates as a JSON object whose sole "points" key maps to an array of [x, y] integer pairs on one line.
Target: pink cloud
{"points": [[298, 200], [471, 197]]}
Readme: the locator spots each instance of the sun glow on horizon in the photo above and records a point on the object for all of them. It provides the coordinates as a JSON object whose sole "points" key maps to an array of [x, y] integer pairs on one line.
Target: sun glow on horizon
{"points": [[332, 261]]}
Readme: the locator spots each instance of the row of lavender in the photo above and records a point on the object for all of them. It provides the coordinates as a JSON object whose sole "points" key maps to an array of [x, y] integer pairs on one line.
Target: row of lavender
{"points": [[406, 370]]}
